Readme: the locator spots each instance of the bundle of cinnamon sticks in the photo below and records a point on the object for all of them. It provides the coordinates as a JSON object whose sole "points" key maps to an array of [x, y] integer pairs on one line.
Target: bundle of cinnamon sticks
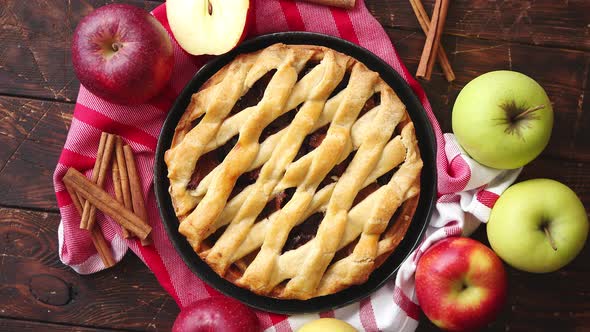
{"points": [[432, 47], [128, 206]]}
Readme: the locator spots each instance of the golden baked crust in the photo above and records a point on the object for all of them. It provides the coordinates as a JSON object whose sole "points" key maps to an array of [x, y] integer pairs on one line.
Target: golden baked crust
{"points": [[369, 136]]}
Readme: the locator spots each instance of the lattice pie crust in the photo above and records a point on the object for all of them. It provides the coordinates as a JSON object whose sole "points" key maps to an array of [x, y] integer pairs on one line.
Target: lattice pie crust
{"points": [[294, 171]]}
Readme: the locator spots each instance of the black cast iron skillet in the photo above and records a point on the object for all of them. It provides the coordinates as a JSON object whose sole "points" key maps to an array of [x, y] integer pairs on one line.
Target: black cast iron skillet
{"points": [[426, 143]]}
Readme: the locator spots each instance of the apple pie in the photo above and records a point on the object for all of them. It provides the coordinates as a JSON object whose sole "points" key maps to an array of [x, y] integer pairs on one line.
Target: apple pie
{"points": [[294, 171]]}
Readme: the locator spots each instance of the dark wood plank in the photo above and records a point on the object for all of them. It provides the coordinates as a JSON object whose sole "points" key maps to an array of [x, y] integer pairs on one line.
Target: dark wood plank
{"points": [[33, 132], [35, 285], [18, 118], [543, 22], [35, 57], [36, 35], [28, 326], [563, 73]]}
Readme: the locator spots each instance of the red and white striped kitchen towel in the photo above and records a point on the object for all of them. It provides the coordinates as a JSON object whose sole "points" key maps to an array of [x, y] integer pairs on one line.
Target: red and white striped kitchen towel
{"points": [[466, 190]]}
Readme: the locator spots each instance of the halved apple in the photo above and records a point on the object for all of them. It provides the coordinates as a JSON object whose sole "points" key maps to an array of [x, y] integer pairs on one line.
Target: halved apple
{"points": [[208, 26]]}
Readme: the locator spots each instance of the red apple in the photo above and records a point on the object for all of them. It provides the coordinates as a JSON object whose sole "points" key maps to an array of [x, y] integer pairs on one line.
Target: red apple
{"points": [[216, 314], [460, 284], [122, 54], [209, 26]]}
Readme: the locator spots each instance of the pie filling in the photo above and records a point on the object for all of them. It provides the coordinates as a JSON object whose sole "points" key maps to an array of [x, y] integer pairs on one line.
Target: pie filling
{"points": [[305, 231]]}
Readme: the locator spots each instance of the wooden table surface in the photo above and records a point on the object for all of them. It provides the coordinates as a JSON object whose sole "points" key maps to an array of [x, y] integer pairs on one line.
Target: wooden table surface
{"points": [[546, 39]]}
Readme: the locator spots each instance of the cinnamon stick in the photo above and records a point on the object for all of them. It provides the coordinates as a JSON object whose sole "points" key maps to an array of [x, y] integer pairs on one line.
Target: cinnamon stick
{"points": [[433, 39], [75, 199], [346, 4], [136, 191], [98, 239], [94, 178], [424, 22], [102, 247], [117, 182], [102, 172], [118, 192], [81, 200], [123, 173], [105, 203]]}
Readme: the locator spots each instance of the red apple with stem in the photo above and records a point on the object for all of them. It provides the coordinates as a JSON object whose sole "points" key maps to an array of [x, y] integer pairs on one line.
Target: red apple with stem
{"points": [[460, 284], [122, 54]]}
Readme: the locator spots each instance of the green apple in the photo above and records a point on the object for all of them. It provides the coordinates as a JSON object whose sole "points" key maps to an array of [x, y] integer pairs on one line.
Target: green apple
{"points": [[327, 324], [538, 226], [503, 119]]}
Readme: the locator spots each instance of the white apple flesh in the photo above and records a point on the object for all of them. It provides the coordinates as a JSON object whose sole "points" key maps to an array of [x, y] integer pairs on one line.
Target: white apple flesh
{"points": [[122, 54], [208, 26], [538, 226], [503, 119]]}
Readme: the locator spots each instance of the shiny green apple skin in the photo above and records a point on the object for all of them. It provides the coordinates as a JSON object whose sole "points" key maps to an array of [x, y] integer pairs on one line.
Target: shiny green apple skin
{"points": [[479, 124], [327, 324], [515, 229]]}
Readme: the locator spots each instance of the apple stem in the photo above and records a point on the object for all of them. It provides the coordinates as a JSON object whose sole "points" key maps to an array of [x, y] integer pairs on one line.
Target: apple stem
{"points": [[528, 111], [551, 242], [116, 46], [210, 7]]}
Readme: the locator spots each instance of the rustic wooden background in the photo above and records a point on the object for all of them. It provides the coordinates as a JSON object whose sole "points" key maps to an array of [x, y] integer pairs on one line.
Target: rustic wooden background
{"points": [[546, 39]]}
